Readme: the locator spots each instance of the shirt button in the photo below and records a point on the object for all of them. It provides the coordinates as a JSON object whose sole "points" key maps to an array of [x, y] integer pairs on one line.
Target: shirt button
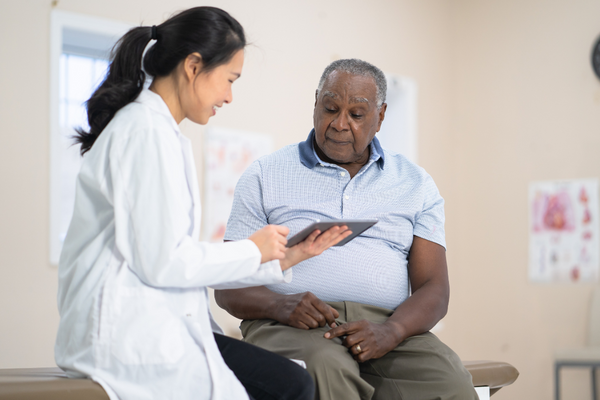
{"points": [[342, 173], [346, 197]]}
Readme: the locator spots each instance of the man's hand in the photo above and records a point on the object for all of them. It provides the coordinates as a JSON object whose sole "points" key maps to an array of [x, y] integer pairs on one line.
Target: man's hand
{"points": [[313, 245], [366, 340], [305, 311]]}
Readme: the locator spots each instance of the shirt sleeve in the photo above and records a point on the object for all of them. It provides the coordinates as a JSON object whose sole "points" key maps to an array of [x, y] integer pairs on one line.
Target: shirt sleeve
{"points": [[429, 223], [247, 212], [153, 220]]}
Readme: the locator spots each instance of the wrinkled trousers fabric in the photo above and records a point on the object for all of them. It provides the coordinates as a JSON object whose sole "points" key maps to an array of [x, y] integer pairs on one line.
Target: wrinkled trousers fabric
{"points": [[420, 368]]}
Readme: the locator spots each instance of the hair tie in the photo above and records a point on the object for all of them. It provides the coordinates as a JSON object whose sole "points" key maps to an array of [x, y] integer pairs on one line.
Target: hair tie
{"points": [[153, 36]]}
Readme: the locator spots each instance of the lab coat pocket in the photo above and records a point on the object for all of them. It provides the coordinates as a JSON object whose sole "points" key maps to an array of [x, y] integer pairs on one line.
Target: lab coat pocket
{"points": [[144, 330]]}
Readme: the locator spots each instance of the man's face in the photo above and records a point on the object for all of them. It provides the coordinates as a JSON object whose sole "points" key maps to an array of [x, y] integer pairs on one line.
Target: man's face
{"points": [[346, 117]]}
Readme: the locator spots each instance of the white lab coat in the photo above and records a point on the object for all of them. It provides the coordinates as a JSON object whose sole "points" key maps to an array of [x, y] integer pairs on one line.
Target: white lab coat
{"points": [[133, 303]]}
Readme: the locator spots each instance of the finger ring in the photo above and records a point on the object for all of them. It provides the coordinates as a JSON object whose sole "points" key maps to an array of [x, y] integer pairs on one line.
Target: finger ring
{"points": [[358, 349]]}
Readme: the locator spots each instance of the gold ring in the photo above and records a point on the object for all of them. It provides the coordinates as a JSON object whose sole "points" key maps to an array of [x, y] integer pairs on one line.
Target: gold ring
{"points": [[358, 349]]}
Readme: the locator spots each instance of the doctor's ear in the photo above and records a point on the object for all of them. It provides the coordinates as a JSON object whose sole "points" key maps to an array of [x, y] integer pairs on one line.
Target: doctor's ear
{"points": [[192, 65]]}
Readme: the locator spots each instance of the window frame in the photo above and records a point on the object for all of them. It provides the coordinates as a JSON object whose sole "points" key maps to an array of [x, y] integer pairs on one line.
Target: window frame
{"points": [[59, 20], [405, 120]]}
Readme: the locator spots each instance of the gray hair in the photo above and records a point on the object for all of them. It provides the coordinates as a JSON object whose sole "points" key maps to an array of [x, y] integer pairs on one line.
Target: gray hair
{"points": [[358, 67]]}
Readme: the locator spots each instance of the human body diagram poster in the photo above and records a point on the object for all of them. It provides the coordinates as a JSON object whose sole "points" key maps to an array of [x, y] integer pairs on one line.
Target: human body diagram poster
{"points": [[563, 231], [227, 154]]}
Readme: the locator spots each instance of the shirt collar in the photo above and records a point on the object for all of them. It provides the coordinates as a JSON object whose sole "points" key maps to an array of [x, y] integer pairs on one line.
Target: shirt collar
{"points": [[308, 155]]}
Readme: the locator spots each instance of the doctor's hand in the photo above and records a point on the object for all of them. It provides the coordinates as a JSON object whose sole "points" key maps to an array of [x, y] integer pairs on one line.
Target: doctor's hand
{"points": [[304, 311], [271, 241], [313, 245]]}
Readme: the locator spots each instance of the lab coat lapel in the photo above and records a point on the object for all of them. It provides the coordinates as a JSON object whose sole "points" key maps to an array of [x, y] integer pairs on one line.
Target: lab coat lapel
{"points": [[155, 102]]}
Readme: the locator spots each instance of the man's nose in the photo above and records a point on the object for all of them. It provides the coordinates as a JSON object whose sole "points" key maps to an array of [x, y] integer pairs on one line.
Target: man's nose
{"points": [[340, 123]]}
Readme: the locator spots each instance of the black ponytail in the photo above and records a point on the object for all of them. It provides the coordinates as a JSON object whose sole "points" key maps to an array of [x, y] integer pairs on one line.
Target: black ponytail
{"points": [[207, 30]]}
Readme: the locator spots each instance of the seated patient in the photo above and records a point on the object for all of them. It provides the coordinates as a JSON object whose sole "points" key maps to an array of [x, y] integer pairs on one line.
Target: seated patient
{"points": [[359, 315]]}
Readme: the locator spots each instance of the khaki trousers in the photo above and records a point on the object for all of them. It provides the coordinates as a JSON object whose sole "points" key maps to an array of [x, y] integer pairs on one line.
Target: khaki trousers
{"points": [[420, 368]]}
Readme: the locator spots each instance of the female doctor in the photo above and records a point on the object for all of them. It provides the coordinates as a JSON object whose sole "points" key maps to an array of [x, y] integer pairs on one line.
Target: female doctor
{"points": [[132, 279]]}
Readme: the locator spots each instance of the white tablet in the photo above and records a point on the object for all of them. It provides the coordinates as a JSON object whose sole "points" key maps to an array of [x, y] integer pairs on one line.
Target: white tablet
{"points": [[357, 226]]}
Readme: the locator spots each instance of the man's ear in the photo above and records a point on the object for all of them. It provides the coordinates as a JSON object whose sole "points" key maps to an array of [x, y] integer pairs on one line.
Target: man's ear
{"points": [[192, 65], [381, 113], [316, 96]]}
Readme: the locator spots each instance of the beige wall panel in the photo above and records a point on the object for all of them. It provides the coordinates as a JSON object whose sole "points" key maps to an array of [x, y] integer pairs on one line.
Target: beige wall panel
{"points": [[527, 107]]}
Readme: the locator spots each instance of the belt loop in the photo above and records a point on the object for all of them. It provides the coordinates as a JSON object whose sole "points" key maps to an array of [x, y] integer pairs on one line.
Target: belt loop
{"points": [[348, 311]]}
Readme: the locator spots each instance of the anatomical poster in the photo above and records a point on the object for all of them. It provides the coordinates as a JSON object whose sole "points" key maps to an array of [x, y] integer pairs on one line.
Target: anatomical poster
{"points": [[227, 154], [563, 231]]}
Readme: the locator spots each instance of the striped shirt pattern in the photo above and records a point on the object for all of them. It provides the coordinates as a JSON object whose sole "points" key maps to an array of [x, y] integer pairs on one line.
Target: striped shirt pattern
{"points": [[293, 187]]}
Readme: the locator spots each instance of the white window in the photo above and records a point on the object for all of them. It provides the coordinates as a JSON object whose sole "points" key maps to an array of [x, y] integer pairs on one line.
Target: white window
{"points": [[79, 51], [399, 129]]}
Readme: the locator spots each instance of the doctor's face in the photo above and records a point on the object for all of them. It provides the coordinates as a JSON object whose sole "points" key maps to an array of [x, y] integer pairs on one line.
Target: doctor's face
{"points": [[207, 92]]}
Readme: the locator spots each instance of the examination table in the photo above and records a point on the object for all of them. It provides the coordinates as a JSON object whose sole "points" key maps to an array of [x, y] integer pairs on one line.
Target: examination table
{"points": [[52, 383]]}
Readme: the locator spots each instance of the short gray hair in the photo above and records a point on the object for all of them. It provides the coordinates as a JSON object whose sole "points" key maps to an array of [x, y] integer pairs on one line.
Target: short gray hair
{"points": [[358, 67]]}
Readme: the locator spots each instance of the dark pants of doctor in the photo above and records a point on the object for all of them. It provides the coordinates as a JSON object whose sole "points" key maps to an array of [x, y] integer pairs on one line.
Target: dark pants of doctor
{"points": [[265, 375]]}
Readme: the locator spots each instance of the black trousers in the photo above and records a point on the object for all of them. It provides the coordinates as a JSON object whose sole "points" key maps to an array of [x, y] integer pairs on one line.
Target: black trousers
{"points": [[265, 375]]}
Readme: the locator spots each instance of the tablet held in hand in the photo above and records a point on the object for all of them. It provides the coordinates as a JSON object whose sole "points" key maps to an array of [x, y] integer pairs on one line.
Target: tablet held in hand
{"points": [[357, 226]]}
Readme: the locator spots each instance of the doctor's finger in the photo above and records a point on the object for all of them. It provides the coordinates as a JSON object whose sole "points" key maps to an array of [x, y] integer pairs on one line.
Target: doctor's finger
{"points": [[279, 252], [331, 238], [312, 237], [282, 230], [326, 240]]}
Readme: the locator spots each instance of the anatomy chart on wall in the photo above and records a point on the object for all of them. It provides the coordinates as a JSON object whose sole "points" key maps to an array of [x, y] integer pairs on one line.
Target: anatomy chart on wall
{"points": [[563, 231], [227, 154]]}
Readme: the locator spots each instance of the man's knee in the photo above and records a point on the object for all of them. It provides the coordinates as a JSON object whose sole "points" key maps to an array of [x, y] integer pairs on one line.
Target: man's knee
{"points": [[325, 355], [336, 374]]}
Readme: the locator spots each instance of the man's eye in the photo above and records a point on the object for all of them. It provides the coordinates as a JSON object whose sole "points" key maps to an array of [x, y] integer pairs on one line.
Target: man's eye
{"points": [[329, 110], [356, 116]]}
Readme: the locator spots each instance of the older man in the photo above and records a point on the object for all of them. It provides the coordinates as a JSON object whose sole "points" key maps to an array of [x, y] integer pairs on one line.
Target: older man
{"points": [[349, 313]]}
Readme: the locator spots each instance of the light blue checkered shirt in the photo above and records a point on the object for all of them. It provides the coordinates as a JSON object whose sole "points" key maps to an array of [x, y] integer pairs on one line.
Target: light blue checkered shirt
{"points": [[293, 187]]}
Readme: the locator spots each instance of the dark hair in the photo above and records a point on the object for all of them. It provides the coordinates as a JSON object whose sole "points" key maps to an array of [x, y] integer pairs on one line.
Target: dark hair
{"points": [[210, 31]]}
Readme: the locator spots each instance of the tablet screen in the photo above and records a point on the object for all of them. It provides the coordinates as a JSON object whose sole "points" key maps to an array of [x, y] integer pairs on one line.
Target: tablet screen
{"points": [[357, 226]]}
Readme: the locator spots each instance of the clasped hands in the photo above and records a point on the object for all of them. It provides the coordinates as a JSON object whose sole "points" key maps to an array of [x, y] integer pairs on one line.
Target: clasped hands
{"points": [[364, 339]]}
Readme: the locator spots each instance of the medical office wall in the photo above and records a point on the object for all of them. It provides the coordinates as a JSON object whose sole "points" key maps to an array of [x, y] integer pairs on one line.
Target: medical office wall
{"points": [[506, 96], [292, 42]]}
